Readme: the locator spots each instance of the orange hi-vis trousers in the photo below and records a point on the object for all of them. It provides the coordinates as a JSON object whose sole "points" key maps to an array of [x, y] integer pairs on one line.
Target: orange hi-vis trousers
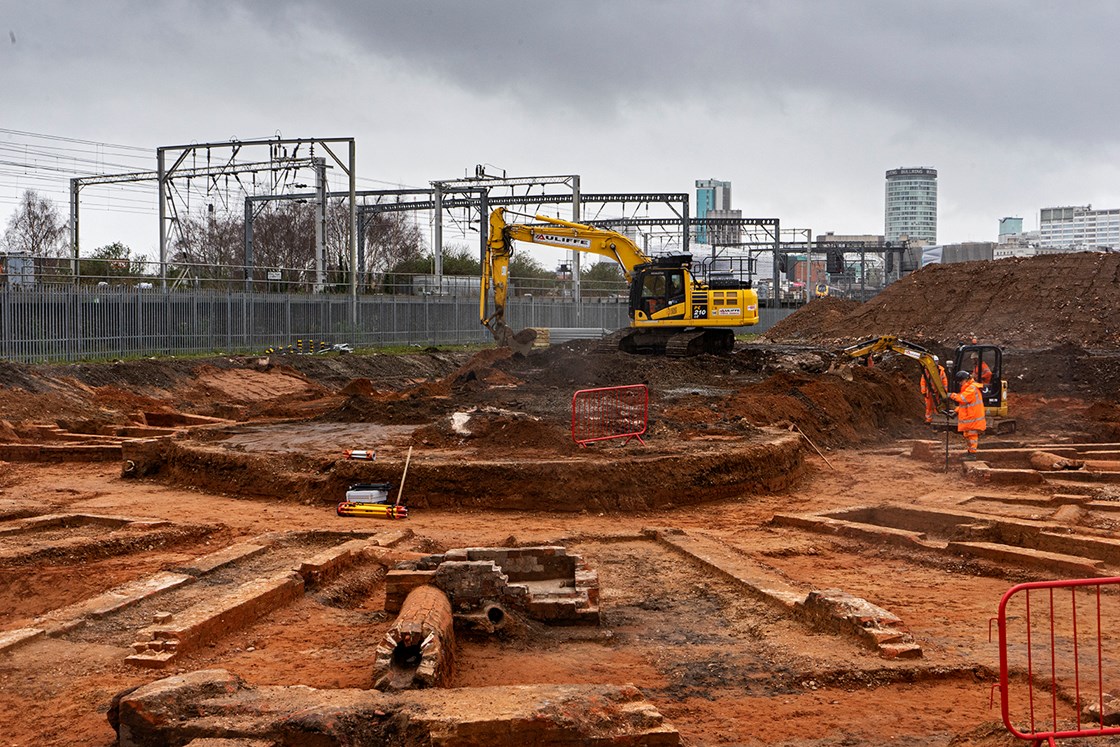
{"points": [[931, 408]]}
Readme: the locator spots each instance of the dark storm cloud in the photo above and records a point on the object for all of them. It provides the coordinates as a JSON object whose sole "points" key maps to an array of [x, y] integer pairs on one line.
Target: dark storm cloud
{"points": [[1006, 68]]}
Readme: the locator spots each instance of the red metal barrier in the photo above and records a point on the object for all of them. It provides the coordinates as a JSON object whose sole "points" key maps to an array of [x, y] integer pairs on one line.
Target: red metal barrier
{"points": [[612, 412], [1057, 654]]}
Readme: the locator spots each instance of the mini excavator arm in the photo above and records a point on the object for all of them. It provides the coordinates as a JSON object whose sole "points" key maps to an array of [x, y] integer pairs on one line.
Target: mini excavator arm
{"points": [[926, 359]]}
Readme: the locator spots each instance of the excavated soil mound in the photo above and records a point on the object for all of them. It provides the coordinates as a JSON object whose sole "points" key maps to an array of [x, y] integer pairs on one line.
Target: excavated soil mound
{"points": [[806, 322], [497, 430], [831, 409], [1033, 302], [222, 386], [247, 385]]}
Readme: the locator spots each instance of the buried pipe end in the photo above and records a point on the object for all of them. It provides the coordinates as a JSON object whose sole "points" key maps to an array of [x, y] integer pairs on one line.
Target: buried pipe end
{"points": [[495, 615], [488, 620]]}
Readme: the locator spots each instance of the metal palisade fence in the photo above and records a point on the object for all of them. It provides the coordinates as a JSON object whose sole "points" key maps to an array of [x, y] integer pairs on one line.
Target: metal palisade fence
{"points": [[45, 323]]}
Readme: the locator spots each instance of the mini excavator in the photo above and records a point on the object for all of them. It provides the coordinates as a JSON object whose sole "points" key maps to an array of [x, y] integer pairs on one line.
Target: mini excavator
{"points": [[984, 362]]}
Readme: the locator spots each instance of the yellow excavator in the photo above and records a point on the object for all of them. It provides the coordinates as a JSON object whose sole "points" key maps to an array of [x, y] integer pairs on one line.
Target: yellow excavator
{"points": [[984, 362], [671, 311]]}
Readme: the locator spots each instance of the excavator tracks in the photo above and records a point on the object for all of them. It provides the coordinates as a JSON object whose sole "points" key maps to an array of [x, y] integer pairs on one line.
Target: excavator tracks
{"points": [[613, 342], [681, 344], [697, 341]]}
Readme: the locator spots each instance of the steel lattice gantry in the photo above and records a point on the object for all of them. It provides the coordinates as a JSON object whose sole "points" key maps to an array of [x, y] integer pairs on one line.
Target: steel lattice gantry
{"points": [[281, 150], [469, 196]]}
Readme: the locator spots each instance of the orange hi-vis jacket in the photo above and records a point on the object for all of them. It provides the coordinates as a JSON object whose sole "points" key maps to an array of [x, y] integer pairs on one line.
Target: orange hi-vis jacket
{"points": [[926, 389], [970, 414], [982, 373]]}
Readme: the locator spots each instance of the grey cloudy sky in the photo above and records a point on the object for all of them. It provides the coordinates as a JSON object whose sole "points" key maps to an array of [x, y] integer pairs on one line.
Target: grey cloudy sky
{"points": [[802, 105]]}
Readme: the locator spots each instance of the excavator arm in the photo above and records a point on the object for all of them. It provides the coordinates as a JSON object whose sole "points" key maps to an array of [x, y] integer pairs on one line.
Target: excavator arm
{"points": [[559, 233], [926, 359], [495, 272]]}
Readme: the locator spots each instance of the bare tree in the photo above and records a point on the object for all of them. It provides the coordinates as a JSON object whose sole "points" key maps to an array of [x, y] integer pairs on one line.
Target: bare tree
{"points": [[37, 227], [391, 238], [337, 242], [213, 244], [284, 236]]}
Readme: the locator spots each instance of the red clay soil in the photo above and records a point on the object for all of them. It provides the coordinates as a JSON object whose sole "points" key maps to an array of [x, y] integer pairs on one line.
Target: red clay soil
{"points": [[1034, 302], [724, 668]]}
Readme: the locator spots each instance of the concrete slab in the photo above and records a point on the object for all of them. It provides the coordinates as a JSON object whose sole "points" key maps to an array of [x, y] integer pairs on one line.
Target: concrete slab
{"points": [[54, 521], [328, 564], [1104, 549], [1105, 506], [858, 530], [391, 537], [1014, 499], [1022, 455], [982, 472], [1001, 538], [1084, 476], [173, 419], [761, 583], [60, 453]]}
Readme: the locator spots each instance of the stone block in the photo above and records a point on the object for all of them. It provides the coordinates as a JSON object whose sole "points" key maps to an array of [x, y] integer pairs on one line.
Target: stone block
{"points": [[215, 704]]}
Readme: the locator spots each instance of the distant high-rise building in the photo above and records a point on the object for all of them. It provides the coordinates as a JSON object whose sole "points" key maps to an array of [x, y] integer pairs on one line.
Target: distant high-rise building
{"points": [[911, 205], [711, 195], [1009, 227], [1078, 227]]}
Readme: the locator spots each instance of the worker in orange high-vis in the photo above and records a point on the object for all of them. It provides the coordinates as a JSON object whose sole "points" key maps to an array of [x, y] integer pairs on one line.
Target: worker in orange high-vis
{"points": [[970, 414], [929, 393], [980, 370]]}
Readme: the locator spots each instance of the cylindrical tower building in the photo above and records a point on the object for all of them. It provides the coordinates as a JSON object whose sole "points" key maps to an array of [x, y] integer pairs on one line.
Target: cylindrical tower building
{"points": [[911, 205]]}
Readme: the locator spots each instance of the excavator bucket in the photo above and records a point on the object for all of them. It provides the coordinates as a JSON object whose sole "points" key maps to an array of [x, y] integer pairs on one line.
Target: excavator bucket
{"points": [[519, 342]]}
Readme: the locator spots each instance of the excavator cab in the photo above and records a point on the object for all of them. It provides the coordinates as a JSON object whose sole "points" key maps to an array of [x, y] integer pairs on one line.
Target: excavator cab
{"points": [[985, 363], [657, 289]]}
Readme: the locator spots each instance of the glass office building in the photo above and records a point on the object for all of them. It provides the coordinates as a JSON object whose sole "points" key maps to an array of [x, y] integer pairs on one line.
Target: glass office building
{"points": [[711, 195], [911, 205]]}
